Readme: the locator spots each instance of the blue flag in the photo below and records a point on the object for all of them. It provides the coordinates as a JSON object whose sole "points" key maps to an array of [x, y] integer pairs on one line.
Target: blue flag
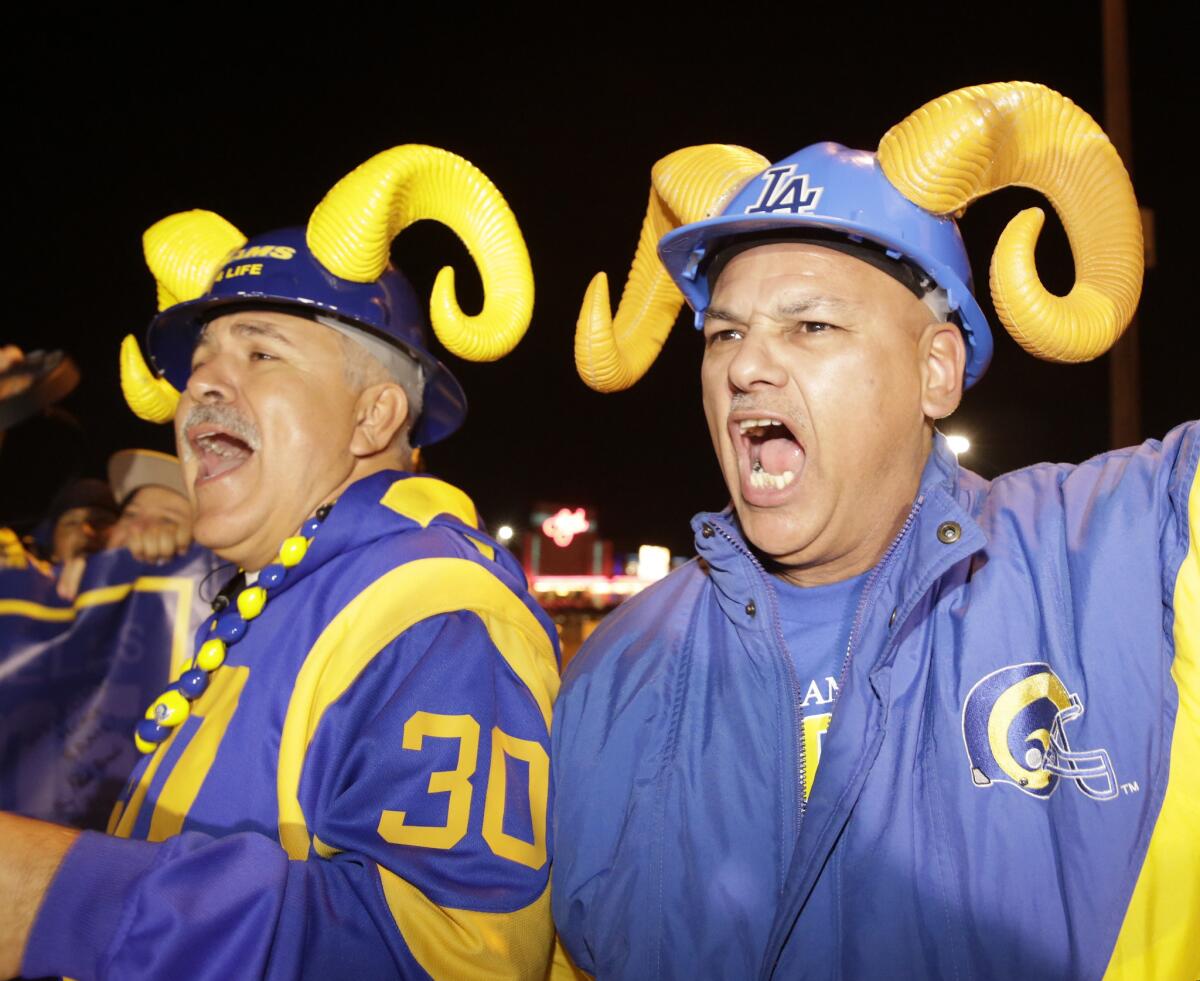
{"points": [[75, 676]]}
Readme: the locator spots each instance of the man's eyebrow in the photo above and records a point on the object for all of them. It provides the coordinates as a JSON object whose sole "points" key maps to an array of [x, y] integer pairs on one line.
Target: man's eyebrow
{"points": [[801, 307], [716, 313]]}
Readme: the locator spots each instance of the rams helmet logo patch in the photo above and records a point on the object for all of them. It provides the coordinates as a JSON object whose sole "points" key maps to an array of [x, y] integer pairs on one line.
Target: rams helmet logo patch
{"points": [[1014, 727]]}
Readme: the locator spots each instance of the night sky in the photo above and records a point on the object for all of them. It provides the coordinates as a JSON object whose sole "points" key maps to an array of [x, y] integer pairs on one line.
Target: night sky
{"points": [[256, 121]]}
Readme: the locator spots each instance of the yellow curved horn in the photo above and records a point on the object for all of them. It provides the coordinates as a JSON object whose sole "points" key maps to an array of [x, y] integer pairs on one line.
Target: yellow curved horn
{"points": [[151, 398], [691, 184], [351, 231], [184, 252], [975, 140]]}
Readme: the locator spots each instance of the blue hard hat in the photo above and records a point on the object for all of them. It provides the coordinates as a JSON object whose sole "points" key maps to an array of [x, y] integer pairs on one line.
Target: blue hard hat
{"points": [[277, 271], [829, 187]]}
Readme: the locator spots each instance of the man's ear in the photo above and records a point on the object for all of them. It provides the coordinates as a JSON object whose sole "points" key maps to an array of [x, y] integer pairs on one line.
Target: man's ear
{"points": [[943, 360], [380, 412]]}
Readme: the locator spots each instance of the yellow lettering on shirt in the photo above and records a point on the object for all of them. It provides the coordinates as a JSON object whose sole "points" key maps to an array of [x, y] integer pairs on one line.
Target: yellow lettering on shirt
{"points": [[815, 727]]}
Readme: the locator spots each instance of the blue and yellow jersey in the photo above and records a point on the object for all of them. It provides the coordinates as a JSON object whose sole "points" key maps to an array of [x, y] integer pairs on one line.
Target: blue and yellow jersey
{"points": [[363, 788]]}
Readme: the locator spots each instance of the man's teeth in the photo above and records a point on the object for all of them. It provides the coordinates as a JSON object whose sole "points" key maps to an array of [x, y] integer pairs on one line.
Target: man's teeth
{"points": [[757, 427], [213, 443], [763, 480]]}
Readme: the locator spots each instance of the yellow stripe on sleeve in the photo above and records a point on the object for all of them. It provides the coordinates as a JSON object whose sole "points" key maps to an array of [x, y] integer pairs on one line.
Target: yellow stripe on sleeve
{"points": [[463, 943], [423, 498], [1160, 937], [373, 619]]}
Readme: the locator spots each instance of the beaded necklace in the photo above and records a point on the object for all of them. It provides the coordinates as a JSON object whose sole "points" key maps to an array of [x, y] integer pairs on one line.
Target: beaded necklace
{"points": [[172, 708]]}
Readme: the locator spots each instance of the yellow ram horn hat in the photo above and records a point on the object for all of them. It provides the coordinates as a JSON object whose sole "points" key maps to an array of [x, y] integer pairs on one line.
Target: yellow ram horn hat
{"points": [[184, 252], [976, 140], [152, 399], [691, 184], [351, 231]]}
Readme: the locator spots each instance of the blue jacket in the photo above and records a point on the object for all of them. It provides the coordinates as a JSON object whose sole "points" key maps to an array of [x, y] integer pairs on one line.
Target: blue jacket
{"points": [[361, 791], [1010, 786]]}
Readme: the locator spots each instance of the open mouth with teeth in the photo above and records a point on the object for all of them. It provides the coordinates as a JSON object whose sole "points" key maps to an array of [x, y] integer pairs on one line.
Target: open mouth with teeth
{"points": [[218, 452], [772, 455]]}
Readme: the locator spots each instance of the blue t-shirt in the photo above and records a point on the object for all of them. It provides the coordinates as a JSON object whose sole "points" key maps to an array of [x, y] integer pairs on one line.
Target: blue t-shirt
{"points": [[816, 627]]}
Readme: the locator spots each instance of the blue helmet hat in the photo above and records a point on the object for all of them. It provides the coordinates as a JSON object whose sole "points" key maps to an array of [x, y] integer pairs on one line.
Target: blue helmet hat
{"points": [[834, 189], [895, 209], [277, 271], [338, 266]]}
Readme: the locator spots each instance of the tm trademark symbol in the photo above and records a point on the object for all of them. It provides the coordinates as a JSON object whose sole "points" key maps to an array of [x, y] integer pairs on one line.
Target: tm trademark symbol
{"points": [[1130, 788]]}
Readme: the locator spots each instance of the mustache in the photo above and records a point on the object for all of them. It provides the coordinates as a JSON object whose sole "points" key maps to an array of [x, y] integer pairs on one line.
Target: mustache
{"points": [[767, 403], [225, 416]]}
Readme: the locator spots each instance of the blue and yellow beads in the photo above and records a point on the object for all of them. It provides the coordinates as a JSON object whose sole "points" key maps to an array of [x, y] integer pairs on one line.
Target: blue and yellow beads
{"points": [[172, 708]]}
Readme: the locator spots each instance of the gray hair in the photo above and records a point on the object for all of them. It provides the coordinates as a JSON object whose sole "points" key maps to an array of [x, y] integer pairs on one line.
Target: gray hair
{"points": [[938, 301], [371, 360]]}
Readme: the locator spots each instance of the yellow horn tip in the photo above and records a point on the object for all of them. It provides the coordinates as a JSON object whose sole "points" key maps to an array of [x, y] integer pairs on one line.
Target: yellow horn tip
{"points": [[1068, 331], [597, 358], [151, 398], [495, 330]]}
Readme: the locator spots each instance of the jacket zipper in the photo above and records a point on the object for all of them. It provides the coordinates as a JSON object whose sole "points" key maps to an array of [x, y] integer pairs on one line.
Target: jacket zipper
{"points": [[781, 652], [880, 566], [781, 644], [884, 562]]}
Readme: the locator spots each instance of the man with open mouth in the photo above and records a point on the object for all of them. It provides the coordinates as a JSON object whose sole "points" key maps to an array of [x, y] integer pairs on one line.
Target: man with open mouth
{"points": [[894, 720], [350, 777]]}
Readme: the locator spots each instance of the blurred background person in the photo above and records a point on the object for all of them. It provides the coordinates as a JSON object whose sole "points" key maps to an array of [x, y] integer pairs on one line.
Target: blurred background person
{"points": [[151, 516], [78, 521], [155, 521]]}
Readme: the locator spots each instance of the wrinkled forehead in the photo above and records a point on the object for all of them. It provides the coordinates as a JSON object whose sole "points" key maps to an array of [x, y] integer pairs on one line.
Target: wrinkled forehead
{"points": [[284, 328]]}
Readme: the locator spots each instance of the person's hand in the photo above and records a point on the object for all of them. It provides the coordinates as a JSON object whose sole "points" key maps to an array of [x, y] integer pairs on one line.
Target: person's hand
{"points": [[151, 539], [10, 357], [71, 575]]}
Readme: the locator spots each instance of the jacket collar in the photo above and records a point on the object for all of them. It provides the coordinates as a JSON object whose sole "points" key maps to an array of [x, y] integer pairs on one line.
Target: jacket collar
{"points": [[383, 504]]}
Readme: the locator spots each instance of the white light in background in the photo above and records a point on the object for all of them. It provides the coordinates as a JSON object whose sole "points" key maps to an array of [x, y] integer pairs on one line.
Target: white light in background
{"points": [[565, 524], [654, 562], [959, 444], [504, 533]]}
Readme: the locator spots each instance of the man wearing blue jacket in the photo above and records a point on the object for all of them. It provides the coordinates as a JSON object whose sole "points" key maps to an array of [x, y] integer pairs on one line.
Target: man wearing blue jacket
{"points": [[350, 777], [894, 720]]}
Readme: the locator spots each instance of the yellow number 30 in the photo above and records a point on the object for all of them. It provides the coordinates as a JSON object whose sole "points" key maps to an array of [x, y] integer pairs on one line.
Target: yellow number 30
{"points": [[394, 827]]}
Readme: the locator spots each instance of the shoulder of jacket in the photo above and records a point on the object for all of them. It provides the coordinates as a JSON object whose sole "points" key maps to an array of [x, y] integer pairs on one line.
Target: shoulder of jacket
{"points": [[656, 619]]}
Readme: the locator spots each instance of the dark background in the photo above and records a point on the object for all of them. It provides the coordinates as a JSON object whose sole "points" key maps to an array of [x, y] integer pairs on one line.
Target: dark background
{"points": [[257, 119]]}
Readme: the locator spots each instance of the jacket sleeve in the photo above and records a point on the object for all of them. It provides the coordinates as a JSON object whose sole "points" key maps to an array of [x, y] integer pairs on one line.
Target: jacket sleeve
{"points": [[418, 845]]}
